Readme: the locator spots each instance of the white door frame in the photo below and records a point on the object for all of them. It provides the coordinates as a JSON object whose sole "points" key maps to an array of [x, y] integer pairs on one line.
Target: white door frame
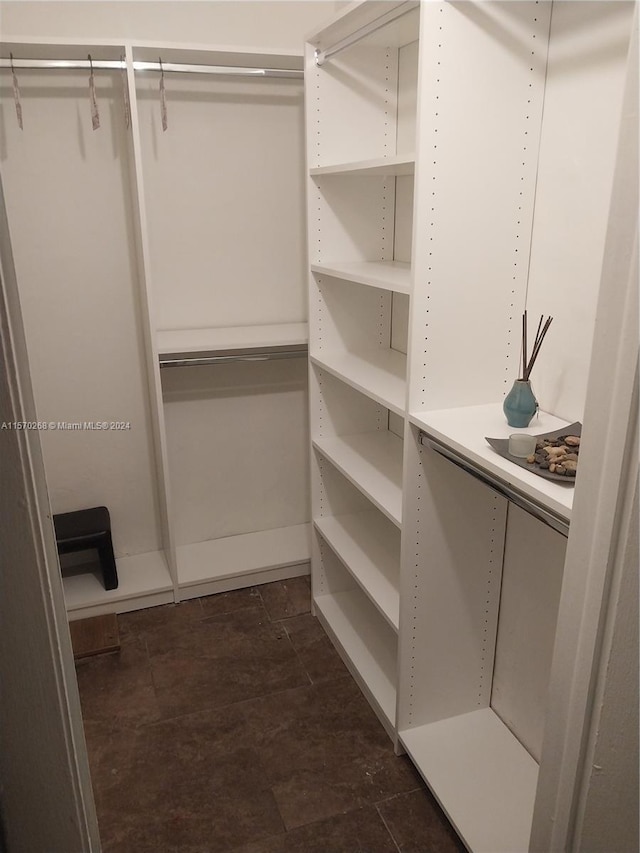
{"points": [[46, 800]]}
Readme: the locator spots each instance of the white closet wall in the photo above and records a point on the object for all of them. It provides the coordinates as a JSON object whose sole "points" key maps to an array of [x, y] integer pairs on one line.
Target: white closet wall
{"points": [[257, 24]]}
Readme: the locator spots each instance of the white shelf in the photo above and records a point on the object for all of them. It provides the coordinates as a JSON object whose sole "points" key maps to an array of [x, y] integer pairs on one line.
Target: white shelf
{"points": [[380, 374], [464, 431], [386, 275], [399, 164], [482, 777], [176, 341], [231, 562], [372, 461], [143, 581], [370, 555], [367, 646]]}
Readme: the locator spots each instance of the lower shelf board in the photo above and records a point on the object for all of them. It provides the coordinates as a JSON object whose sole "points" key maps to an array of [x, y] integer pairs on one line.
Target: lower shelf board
{"points": [[370, 549], [231, 562], [367, 645], [143, 581], [481, 775]]}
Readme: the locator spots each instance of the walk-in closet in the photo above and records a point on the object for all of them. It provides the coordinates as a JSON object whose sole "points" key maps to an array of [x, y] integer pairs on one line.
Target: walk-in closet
{"points": [[273, 260]]}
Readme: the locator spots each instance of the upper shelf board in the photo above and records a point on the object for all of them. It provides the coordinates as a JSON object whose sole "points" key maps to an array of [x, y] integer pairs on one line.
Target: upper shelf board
{"points": [[231, 57], [364, 14], [399, 164], [176, 342], [387, 275], [464, 430]]}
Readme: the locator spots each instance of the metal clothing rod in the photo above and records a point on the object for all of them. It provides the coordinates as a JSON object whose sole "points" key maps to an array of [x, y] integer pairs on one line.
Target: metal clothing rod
{"points": [[118, 65], [543, 514], [186, 361], [321, 56]]}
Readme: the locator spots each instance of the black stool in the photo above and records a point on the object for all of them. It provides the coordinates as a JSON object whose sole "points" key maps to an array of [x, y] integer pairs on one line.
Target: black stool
{"points": [[88, 528]]}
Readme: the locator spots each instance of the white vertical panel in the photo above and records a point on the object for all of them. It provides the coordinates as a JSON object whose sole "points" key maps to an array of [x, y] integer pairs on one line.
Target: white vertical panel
{"points": [[451, 564], [407, 98], [351, 219], [404, 219], [237, 440], [341, 410], [531, 581], [587, 60], [352, 102], [399, 322], [67, 190], [481, 97], [353, 317], [224, 190]]}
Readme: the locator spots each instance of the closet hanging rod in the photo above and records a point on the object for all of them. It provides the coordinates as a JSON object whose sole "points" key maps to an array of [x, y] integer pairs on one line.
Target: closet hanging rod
{"points": [[139, 65], [542, 513], [321, 56], [256, 355]]}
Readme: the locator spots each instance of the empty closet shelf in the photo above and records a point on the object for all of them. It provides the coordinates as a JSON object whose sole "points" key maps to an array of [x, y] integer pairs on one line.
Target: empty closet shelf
{"points": [[190, 347]]}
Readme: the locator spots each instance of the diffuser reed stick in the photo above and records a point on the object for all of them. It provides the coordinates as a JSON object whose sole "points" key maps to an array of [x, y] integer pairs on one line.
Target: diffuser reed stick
{"points": [[543, 328]]}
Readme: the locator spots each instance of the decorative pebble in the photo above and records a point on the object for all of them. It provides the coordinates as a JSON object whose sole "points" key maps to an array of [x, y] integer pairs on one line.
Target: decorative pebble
{"points": [[558, 455]]}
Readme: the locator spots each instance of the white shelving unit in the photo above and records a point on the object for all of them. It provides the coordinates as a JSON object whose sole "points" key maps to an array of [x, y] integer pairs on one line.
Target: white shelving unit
{"points": [[454, 202], [360, 220], [208, 488]]}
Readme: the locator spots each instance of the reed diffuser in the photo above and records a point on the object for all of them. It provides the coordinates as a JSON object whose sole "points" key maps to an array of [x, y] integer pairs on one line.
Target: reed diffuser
{"points": [[520, 404]]}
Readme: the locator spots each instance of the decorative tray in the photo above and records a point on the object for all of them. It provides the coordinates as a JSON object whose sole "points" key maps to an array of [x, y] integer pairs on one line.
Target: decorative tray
{"points": [[501, 446]]}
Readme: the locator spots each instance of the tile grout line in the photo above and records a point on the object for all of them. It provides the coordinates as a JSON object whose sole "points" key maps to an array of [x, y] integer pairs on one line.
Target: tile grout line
{"points": [[386, 826]]}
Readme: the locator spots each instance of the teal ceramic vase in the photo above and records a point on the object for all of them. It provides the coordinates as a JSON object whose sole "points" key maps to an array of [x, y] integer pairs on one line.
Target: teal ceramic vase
{"points": [[520, 404]]}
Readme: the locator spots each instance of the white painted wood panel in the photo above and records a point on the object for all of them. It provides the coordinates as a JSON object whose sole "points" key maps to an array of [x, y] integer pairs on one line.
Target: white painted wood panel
{"points": [[482, 777], [172, 341], [377, 373], [369, 547], [351, 218], [452, 568], [224, 190], [583, 97], [67, 190], [143, 581], [481, 97], [242, 558], [338, 409], [356, 92], [398, 164], [236, 436], [407, 97], [388, 275], [373, 463], [531, 581], [366, 644]]}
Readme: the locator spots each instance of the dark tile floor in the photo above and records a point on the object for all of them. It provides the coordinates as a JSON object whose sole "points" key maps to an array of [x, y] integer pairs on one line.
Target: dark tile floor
{"points": [[229, 723]]}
